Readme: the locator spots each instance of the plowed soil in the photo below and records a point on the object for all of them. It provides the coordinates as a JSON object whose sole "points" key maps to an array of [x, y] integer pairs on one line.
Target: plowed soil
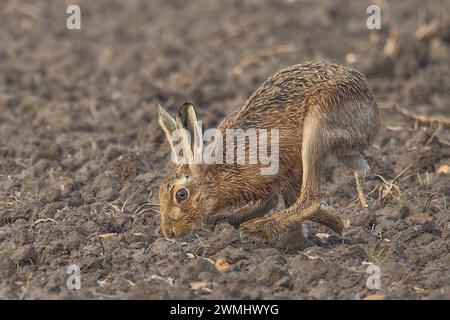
{"points": [[81, 150]]}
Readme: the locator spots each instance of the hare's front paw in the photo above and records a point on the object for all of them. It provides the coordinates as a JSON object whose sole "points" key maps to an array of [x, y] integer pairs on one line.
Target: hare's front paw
{"points": [[263, 227], [216, 218]]}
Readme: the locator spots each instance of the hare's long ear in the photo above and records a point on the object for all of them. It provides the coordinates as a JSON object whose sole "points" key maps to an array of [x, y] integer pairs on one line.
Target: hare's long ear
{"points": [[169, 125], [187, 119]]}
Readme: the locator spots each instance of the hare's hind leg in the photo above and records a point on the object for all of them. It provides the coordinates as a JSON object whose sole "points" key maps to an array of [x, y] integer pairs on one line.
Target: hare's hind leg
{"points": [[314, 150], [321, 216], [347, 128]]}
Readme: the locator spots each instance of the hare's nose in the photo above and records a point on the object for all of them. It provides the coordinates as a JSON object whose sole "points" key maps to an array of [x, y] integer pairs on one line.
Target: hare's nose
{"points": [[168, 231]]}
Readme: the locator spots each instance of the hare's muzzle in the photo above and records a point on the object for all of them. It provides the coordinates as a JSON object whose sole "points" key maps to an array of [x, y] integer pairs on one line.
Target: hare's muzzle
{"points": [[174, 229], [167, 231]]}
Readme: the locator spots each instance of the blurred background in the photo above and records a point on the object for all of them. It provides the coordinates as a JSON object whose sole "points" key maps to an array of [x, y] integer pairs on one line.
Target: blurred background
{"points": [[79, 134]]}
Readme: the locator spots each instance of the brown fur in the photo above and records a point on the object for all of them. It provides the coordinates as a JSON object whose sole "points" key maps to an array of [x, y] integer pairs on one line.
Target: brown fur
{"points": [[320, 109]]}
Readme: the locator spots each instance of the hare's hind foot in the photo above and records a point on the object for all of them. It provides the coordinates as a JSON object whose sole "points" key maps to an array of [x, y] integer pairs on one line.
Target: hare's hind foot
{"points": [[326, 218], [281, 221], [269, 228], [262, 227]]}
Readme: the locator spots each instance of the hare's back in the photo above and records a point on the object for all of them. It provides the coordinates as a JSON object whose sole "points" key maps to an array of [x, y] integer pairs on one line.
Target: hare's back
{"points": [[286, 97]]}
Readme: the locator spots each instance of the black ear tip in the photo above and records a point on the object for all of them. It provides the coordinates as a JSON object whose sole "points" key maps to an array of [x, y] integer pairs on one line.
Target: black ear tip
{"points": [[187, 104], [185, 107]]}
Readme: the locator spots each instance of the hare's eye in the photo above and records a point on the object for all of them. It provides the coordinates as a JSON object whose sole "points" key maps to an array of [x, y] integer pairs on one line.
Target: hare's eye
{"points": [[181, 195]]}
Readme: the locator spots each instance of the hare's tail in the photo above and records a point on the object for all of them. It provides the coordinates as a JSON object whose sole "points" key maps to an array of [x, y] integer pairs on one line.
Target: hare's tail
{"points": [[357, 161]]}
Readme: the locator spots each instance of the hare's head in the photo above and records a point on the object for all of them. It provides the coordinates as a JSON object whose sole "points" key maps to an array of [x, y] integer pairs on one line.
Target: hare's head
{"points": [[185, 196]]}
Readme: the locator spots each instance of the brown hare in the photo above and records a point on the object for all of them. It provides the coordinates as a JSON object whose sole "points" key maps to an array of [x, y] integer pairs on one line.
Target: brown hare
{"points": [[319, 109]]}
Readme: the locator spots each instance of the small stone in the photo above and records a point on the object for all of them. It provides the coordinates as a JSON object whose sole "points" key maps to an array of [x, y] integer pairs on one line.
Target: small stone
{"points": [[200, 285], [444, 169], [190, 255], [222, 265], [420, 218]]}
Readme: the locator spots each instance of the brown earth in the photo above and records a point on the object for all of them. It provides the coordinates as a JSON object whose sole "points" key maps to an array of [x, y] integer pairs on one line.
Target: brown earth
{"points": [[81, 150]]}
